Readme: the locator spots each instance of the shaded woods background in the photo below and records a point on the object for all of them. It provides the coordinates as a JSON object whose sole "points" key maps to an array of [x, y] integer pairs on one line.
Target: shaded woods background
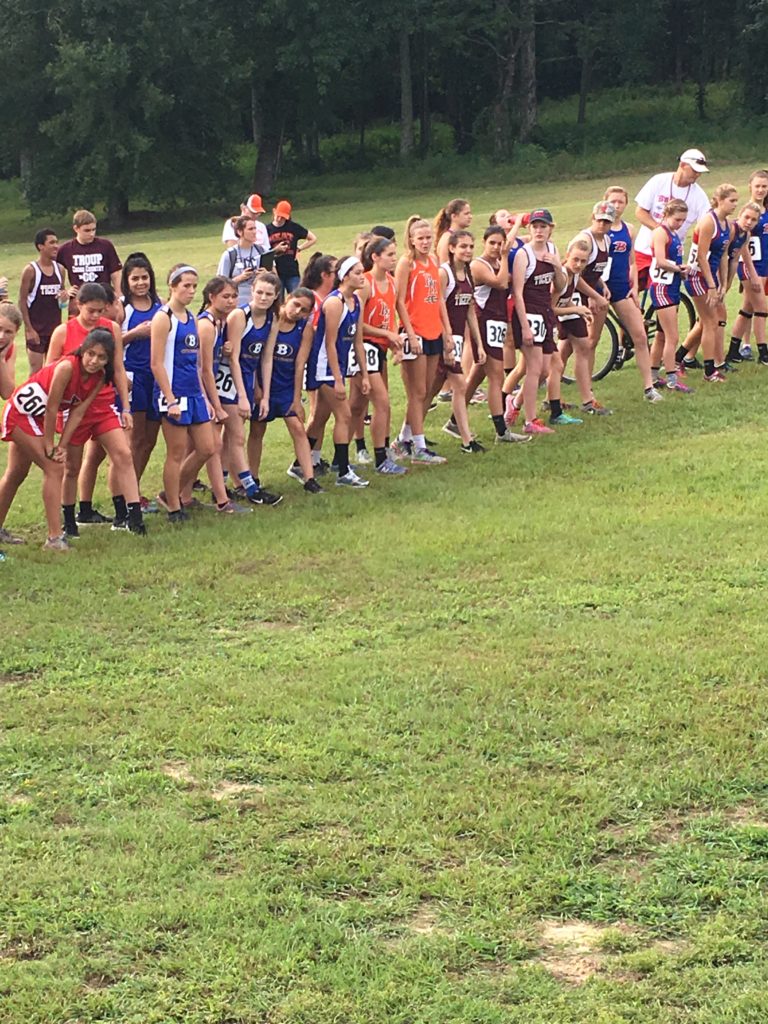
{"points": [[104, 102]]}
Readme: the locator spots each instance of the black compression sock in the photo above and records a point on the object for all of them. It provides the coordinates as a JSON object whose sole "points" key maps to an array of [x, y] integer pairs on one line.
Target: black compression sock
{"points": [[681, 354], [386, 441], [709, 367], [341, 458], [360, 444], [121, 509], [135, 518], [380, 454], [68, 512], [501, 426], [763, 350], [555, 408], [86, 508]]}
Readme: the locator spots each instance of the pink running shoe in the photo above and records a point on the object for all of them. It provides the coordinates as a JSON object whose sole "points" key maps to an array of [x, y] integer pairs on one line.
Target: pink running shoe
{"points": [[537, 427], [511, 412], [679, 386]]}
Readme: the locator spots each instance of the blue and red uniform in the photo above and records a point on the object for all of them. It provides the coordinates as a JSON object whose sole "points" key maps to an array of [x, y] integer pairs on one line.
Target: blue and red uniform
{"points": [[665, 284], [619, 253]]}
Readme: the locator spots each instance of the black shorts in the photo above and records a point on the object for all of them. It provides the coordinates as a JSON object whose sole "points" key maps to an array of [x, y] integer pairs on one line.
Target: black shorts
{"points": [[432, 347], [40, 346]]}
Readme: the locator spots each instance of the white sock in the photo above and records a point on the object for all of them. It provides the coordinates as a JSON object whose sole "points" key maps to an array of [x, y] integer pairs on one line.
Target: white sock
{"points": [[316, 456], [406, 434], [418, 442]]}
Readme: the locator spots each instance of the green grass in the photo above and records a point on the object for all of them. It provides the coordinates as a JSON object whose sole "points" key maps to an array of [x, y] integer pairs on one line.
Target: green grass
{"points": [[349, 760]]}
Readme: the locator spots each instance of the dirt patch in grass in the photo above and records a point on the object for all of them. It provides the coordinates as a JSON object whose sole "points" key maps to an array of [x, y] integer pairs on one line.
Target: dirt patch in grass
{"points": [[179, 772], [97, 981], [228, 790], [18, 678], [22, 949], [571, 950], [746, 815]]}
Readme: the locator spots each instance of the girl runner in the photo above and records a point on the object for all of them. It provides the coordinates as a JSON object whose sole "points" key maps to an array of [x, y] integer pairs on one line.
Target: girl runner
{"points": [[458, 289], [282, 367], [454, 216], [754, 303], [417, 278], [219, 299], [706, 286], [574, 319], [10, 322], [622, 286], [248, 328], [381, 308], [666, 274], [320, 277], [739, 256], [339, 328], [140, 303], [29, 421], [593, 286], [178, 392], [536, 273], [490, 274], [103, 423]]}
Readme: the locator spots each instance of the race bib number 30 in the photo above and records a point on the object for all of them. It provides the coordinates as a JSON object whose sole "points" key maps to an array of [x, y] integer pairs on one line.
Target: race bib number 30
{"points": [[495, 333], [31, 399], [538, 328]]}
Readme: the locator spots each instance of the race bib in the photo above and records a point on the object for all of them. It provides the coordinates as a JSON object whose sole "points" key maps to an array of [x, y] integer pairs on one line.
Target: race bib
{"points": [[693, 256], [31, 399], [162, 403], [659, 275], [371, 357], [353, 367], [495, 333], [225, 386], [570, 300], [538, 327], [755, 247], [407, 354], [458, 347], [607, 272]]}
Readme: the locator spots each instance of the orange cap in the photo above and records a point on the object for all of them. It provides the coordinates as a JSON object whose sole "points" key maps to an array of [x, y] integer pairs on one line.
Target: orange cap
{"points": [[284, 209], [255, 204]]}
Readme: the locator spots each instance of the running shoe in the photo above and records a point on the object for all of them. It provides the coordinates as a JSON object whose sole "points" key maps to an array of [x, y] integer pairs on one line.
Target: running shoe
{"points": [[119, 526], [139, 529], [231, 508], [478, 398], [56, 544], [473, 448], [509, 438], [693, 364], [537, 427], [401, 449], [726, 368], [71, 532], [313, 487], [178, 516], [322, 468], [296, 472], [149, 507], [734, 357], [6, 537], [351, 479], [452, 429], [445, 396], [367, 419], [2, 556], [162, 501], [596, 409], [92, 518], [262, 497], [763, 359], [746, 353], [652, 395], [714, 378], [679, 386], [193, 505], [426, 457], [390, 468], [432, 407], [564, 420], [198, 485], [363, 457], [511, 411]]}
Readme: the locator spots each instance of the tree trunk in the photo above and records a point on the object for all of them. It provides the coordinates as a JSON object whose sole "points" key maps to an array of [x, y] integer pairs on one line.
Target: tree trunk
{"points": [[255, 116], [406, 98], [584, 79], [25, 170], [425, 117], [361, 135], [117, 207], [268, 159], [502, 135], [528, 107]]}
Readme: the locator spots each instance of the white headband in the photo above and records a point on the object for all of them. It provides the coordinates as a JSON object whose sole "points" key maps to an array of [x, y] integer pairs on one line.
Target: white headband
{"points": [[346, 266], [186, 269]]}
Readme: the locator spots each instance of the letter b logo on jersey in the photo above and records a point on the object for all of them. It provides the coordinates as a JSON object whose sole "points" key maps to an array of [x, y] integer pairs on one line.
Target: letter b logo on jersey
{"points": [[254, 349], [282, 350]]}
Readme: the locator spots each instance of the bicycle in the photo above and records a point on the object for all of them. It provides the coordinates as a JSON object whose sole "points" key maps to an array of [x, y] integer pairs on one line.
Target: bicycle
{"points": [[615, 346]]}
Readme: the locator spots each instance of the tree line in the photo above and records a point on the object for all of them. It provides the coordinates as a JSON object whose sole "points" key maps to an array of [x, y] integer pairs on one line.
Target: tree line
{"points": [[109, 101]]}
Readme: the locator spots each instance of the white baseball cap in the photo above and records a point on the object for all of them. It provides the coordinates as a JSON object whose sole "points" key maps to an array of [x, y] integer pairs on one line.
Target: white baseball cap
{"points": [[695, 159]]}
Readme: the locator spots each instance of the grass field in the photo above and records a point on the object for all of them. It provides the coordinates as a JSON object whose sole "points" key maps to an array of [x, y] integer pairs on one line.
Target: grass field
{"points": [[484, 744]]}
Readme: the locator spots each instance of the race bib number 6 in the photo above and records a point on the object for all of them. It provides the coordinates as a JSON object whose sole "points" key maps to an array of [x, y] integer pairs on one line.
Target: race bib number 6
{"points": [[31, 399], [495, 333], [755, 248]]}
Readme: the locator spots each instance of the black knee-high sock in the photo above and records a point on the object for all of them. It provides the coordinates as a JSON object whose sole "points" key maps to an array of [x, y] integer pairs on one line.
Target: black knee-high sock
{"points": [[501, 426], [341, 458]]}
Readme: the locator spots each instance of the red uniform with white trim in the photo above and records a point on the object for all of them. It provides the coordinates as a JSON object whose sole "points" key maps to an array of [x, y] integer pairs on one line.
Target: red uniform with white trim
{"points": [[26, 407], [102, 415]]}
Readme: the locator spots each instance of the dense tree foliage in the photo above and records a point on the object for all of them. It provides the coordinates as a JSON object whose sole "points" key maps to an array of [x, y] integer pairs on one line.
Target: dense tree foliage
{"points": [[106, 100]]}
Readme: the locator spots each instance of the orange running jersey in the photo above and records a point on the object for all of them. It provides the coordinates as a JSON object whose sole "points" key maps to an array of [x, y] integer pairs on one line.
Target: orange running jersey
{"points": [[423, 299], [380, 310]]}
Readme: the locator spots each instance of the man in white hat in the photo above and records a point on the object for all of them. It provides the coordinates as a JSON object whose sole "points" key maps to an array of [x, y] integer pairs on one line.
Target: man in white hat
{"points": [[252, 207], [656, 193]]}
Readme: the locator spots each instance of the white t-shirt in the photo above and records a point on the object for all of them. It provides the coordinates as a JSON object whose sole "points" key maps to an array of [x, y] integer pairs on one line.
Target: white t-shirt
{"points": [[654, 196], [234, 261], [262, 235]]}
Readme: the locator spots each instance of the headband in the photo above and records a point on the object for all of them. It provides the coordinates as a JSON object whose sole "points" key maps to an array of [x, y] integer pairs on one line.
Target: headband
{"points": [[186, 269], [345, 267]]}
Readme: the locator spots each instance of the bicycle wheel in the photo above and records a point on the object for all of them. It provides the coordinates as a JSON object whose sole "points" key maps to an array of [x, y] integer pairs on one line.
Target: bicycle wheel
{"points": [[686, 318], [605, 354]]}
